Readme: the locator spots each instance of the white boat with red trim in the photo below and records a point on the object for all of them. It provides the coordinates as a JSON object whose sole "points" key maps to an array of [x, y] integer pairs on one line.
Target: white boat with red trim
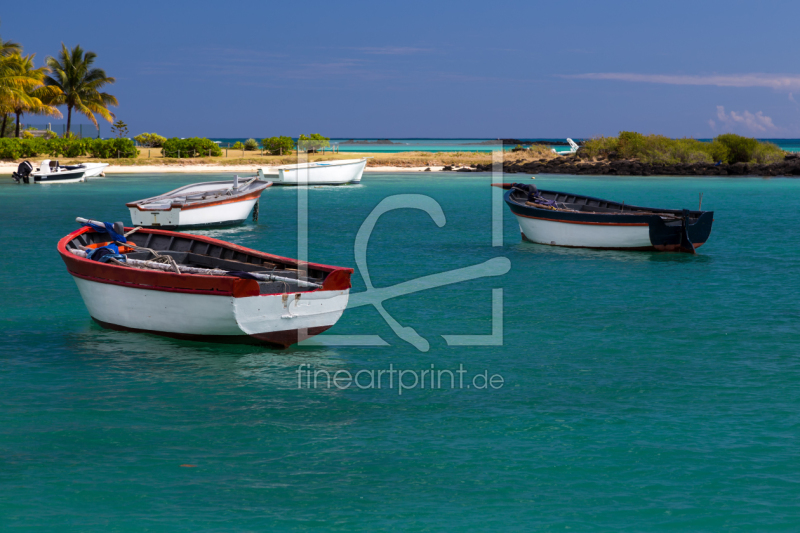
{"points": [[337, 172], [198, 288], [215, 203], [565, 219]]}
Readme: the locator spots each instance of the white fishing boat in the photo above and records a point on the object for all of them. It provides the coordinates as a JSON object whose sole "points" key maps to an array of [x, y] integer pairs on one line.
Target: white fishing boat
{"points": [[200, 204], [319, 173], [52, 172], [576, 221], [93, 170], [198, 288]]}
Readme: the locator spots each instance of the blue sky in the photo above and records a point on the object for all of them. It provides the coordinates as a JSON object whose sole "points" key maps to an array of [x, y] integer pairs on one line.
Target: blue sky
{"points": [[434, 69]]}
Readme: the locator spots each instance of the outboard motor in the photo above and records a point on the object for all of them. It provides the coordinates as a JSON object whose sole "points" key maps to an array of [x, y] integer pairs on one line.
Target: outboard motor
{"points": [[23, 172]]}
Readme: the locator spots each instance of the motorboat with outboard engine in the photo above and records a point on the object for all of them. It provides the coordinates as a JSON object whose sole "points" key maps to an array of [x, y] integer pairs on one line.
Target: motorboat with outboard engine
{"points": [[49, 172], [565, 219]]}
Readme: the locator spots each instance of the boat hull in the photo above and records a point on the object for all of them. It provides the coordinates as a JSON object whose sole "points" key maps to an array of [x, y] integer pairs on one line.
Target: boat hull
{"points": [[59, 177], [229, 213], [555, 233], [93, 170], [278, 320], [317, 174]]}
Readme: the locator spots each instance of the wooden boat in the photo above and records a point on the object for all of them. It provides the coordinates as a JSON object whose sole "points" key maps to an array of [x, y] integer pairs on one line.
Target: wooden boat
{"points": [[564, 219], [215, 203], [198, 288], [338, 172]]}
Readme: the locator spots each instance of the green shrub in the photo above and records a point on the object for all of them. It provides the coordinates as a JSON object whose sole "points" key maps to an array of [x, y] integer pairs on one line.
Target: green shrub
{"points": [[10, 148], [193, 147], [598, 146], [767, 153], [238, 146], [69, 147], [660, 150], [278, 145], [740, 149], [313, 141], [150, 140], [251, 145], [111, 148], [50, 134]]}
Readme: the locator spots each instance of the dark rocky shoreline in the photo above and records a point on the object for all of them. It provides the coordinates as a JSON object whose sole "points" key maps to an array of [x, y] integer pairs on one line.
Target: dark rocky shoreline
{"points": [[790, 166]]}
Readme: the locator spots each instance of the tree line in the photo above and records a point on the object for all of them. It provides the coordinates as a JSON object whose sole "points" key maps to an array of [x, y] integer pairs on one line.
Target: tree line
{"points": [[68, 80]]}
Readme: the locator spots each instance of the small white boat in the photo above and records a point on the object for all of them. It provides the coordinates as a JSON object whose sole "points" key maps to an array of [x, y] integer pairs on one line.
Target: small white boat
{"points": [[52, 172], [573, 148], [199, 204], [320, 173], [92, 169], [208, 290]]}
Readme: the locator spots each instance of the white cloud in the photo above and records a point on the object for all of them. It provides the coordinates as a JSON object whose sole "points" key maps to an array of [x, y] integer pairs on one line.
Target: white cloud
{"points": [[753, 123], [392, 50], [785, 82]]}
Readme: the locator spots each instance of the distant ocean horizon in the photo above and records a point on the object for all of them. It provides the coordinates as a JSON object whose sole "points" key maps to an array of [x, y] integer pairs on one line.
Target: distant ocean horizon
{"points": [[422, 144]]}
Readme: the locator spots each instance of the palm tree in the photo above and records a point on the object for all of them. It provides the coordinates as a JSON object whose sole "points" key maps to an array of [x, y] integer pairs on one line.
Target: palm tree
{"points": [[14, 86], [79, 83], [39, 96]]}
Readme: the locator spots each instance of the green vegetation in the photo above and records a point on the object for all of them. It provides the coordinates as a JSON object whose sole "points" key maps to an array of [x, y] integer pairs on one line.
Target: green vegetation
{"points": [[79, 84], [34, 98], [34, 147], [313, 141], [251, 145], [657, 149], [120, 129], [193, 147], [238, 145], [278, 145], [150, 140]]}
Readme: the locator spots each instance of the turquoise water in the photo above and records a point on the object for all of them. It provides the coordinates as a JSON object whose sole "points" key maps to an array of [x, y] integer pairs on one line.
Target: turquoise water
{"points": [[642, 391]]}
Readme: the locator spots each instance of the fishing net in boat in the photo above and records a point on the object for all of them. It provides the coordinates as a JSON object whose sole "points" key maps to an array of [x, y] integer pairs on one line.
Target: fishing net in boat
{"points": [[105, 254], [115, 230]]}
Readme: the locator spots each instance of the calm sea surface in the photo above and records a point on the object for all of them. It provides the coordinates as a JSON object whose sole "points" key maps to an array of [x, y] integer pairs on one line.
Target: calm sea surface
{"points": [[641, 391]]}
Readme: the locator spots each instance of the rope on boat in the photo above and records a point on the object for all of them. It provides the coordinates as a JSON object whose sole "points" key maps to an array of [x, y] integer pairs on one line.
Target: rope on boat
{"points": [[182, 269]]}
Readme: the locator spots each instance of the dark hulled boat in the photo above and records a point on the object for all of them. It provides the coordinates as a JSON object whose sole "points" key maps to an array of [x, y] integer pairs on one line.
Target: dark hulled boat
{"points": [[564, 219]]}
